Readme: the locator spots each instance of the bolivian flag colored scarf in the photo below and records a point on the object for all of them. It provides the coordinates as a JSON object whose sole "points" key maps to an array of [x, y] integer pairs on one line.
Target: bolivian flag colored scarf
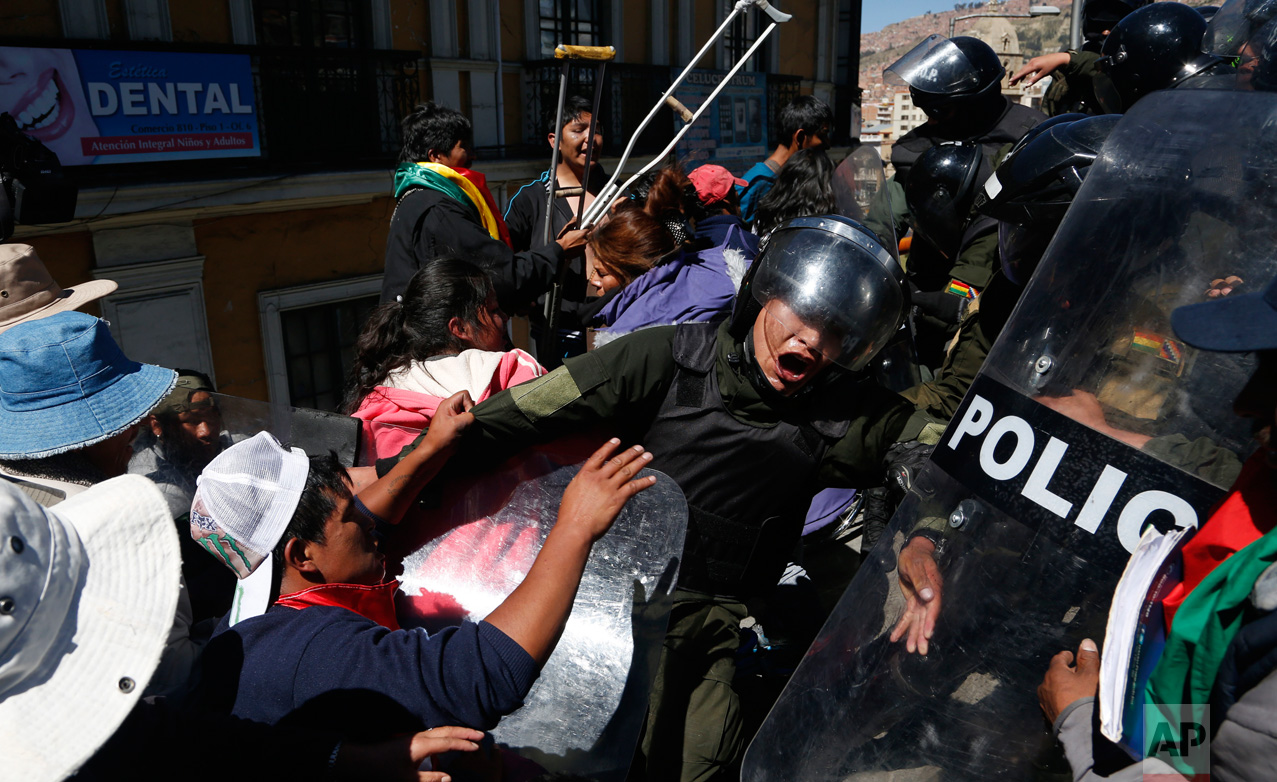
{"points": [[466, 187]]}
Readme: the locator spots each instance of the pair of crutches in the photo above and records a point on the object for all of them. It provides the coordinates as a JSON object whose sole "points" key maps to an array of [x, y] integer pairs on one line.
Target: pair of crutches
{"points": [[610, 191], [547, 347]]}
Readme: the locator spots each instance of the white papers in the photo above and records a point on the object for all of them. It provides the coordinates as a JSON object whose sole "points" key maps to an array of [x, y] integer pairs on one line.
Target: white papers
{"points": [[1123, 624]]}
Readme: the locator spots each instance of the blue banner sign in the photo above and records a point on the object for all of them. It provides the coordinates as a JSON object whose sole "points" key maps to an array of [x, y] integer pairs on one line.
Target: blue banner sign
{"points": [[91, 107]]}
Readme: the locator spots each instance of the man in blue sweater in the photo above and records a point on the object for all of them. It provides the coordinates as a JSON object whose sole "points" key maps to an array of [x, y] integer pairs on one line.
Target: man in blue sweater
{"points": [[803, 124], [329, 652]]}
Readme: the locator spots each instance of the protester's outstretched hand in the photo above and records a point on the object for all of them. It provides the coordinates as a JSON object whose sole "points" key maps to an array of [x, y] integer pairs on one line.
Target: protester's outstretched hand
{"points": [[596, 495], [401, 757], [1066, 683], [921, 584], [1039, 68], [450, 420]]}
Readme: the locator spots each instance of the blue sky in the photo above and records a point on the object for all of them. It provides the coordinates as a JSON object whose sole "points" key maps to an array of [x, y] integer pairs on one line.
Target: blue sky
{"points": [[877, 14]]}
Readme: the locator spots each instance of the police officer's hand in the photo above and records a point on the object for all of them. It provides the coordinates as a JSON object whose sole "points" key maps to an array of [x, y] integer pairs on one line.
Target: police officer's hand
{"points": [[1039, 68], [920, 582], [1065, 683], [450, 420], [605, 483]]}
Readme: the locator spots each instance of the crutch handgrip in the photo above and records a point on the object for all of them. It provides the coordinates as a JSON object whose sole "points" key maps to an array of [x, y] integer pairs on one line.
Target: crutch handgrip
{"points": [[565, 52], [682, 111], [776, 14]]}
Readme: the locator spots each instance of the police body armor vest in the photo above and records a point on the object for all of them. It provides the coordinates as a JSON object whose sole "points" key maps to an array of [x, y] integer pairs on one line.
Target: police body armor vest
{"points": [[747, 487]]}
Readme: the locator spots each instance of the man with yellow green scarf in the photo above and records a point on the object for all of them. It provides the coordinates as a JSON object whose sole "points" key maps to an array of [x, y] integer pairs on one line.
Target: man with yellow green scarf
{"points": [[443, 209]]}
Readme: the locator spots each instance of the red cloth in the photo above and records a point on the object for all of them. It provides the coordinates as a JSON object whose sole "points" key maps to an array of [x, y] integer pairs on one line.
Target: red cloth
{"points": [[1244, 516], [480, 181], [376, 603]]}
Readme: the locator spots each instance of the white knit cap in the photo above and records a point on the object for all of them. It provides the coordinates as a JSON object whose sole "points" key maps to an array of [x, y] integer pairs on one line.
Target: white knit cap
{"points": [[245, 498]]}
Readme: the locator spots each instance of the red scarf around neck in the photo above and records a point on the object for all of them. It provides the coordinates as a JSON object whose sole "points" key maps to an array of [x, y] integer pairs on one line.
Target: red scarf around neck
{"points": [[376, 603]]}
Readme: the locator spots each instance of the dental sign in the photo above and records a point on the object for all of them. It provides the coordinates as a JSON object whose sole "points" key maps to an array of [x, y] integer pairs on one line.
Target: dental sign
{"points": [[1072, 483], [92, 107]]}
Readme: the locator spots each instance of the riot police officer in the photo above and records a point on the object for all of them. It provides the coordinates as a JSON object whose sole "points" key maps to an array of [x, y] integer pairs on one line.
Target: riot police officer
{"points": [[750, 417], [1072, 71], [957, 83], [939, 192], [1155, 48]]}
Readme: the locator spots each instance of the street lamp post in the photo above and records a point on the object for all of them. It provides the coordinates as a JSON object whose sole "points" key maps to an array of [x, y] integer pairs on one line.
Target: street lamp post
{"points": [[1034, 11]]}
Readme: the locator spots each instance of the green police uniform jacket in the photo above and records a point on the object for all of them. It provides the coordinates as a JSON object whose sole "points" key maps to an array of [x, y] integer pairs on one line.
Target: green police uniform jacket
{"points": [[1071, 89]]}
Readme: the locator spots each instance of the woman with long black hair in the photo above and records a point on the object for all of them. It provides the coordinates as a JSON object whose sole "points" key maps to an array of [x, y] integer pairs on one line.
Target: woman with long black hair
{"points": [[445, 334], [804, 187]]}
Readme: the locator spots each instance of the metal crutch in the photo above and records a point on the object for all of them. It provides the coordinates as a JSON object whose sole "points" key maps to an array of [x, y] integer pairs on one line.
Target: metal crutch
{"points": [[610, 190], [547, 346]]}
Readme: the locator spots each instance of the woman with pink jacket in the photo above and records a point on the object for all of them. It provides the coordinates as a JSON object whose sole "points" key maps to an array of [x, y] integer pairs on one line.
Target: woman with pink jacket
{"points": [[445, 334]]}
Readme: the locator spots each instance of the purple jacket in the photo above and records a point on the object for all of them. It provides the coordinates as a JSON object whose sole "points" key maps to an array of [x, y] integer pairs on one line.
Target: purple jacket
{"points": [[689, 287]]}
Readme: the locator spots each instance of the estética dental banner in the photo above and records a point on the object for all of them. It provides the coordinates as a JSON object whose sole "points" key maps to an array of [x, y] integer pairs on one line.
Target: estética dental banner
{"points": [[91, 106]]}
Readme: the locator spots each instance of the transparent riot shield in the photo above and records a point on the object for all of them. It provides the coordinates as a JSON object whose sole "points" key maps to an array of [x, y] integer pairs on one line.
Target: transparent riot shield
{"points": [[468, 545], [475, 545], [1088, 422], [858, 180], [173, 455]]}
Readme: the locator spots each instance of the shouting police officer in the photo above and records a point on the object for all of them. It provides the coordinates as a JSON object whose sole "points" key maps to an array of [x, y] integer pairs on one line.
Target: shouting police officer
{"points": [[750, 418]]}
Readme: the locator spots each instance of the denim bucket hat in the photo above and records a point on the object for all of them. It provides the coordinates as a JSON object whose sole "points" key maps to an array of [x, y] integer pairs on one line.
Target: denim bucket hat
{"points": [[65, 384]]}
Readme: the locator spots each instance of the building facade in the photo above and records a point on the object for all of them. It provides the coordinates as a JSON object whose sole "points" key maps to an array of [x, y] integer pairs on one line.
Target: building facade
{"points": [[243, 207]]}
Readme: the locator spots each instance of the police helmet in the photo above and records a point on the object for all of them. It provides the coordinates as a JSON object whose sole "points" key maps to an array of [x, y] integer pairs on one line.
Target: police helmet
{"points": [[1155, 47], [1032, 189], [1101, 16], [940, 189], [830, 273], [1235, 24], [948, 72]]}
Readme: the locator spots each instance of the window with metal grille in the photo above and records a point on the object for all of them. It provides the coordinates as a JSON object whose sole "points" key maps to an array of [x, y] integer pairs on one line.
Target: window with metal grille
{"points": [[319, 348], [330, 24], [742, 34], [574, 22]]}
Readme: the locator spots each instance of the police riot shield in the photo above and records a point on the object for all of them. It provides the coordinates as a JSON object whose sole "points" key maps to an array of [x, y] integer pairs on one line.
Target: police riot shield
{"points": [[468, 545], [1088, 422], [858, 180], [474, 547], [171, 450]]}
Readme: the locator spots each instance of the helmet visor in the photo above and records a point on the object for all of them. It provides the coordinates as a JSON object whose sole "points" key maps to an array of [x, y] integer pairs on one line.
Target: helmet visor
{"points": [[1236, 23], [1020, 248], [934, 66], [832, 284]]}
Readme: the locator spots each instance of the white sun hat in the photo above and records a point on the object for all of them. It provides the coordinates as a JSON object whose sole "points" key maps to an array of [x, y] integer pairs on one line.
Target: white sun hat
{"points": [[88, 592]]}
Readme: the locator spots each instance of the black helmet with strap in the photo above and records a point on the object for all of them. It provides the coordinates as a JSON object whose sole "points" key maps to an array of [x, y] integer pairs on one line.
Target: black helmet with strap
{"points": [[831, 273], [1153, 48], [940, 190], [1035, 184], [948, 73]]}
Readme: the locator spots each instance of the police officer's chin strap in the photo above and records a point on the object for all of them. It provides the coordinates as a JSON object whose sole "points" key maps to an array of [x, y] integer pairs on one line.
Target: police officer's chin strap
{"points": [[759, 380]]}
